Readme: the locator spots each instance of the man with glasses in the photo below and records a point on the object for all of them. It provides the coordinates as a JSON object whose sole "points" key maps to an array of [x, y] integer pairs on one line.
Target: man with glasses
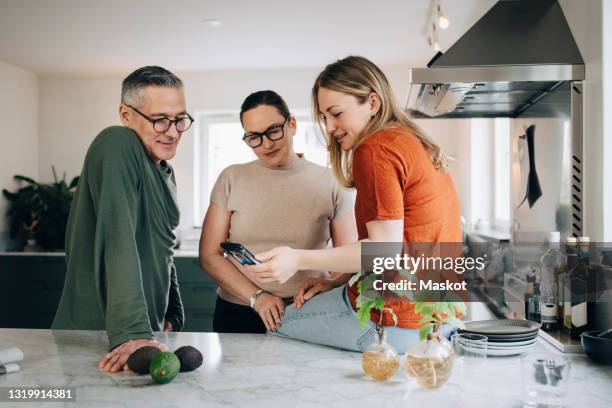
{"points": [[121, 277]]}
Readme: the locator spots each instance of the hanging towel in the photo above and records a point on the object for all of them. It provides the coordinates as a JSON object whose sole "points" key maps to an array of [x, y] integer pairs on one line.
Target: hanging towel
{"points": [[523, 160], [534, 191]]}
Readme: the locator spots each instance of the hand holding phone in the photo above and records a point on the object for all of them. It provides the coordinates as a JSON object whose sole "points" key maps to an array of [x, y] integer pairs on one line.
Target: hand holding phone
{"points": [[239, 253]]}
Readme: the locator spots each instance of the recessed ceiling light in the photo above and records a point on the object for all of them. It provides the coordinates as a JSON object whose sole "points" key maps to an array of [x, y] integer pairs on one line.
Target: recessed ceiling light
{"points": [[212, 22]]}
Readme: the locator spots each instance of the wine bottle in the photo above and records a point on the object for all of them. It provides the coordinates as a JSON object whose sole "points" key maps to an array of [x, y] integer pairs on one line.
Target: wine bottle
{"points": [[580, 277]]}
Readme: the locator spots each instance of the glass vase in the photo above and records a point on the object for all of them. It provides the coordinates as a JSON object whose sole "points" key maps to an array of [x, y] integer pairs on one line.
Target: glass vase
{"points": [[430, 361], [380, 361]]}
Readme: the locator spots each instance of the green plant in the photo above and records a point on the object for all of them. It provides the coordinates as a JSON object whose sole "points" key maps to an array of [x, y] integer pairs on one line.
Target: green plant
{"points": [[434, 314], [368, 298], [40, 211]]}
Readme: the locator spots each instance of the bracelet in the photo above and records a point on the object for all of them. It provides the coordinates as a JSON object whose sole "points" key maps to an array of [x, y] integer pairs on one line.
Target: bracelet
{"points": [[254, 297]]}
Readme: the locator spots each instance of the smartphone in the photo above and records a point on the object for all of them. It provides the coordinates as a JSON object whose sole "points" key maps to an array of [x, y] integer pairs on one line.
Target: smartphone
{"points": [[239, 253]]}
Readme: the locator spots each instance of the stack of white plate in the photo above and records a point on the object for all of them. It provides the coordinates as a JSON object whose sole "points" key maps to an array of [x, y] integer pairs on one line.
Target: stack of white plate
{"points": [[505, 337]]}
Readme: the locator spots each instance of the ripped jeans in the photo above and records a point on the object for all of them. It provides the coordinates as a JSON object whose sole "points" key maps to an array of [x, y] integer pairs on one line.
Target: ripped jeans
{"points": [[329, 319]]}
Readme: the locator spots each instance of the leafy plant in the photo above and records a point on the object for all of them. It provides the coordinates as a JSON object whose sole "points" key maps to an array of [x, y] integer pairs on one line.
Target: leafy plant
{"points": [[367, 302], [434, 314], [40, 211]]}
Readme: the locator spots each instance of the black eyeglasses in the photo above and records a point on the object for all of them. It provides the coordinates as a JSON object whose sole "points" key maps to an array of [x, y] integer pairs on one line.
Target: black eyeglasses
{"points": [[273, 133], [162, 125]]}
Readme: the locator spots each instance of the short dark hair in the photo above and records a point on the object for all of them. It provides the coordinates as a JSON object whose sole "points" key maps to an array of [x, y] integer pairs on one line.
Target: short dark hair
{"points": [[267, 97], [134, 84]]}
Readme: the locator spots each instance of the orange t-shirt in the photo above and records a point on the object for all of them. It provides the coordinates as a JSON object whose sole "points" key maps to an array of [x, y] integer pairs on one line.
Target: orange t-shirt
{"points": [[395, 179]]}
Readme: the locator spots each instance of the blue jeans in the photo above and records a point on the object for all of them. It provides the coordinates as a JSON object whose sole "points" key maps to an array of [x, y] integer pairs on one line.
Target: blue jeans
{"points": [[328, 318]]}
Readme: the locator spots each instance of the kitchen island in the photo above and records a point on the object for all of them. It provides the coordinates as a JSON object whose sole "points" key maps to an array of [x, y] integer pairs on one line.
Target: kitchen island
{"points": [[266, 371]]}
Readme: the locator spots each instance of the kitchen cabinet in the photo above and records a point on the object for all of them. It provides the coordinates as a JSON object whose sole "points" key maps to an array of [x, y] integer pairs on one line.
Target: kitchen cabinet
{"points": [[199, 294], [31, 287]]}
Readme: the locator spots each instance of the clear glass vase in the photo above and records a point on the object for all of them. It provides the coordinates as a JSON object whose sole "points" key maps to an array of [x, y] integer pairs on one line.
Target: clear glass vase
{"points": [[380, 361], [429, 362]]}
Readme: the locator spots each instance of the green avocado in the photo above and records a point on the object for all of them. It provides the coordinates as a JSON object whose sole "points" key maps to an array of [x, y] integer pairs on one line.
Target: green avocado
{"points": [[190, 358], [164, 367], [140, 360]]}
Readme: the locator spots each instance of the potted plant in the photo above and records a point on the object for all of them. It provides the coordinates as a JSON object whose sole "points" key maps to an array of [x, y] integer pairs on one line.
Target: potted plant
{"points": [[38, 212]]}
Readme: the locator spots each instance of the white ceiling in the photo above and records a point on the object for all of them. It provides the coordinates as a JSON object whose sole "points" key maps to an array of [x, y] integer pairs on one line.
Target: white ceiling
{"points": [[114, 36]]}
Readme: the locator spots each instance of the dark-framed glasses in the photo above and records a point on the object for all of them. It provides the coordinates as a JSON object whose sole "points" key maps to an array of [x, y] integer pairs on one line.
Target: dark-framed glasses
{"points": [[273, 133], [162, 125]]}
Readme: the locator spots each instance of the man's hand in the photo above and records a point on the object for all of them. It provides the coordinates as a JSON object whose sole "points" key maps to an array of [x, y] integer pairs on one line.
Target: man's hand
{"points": [[167, 326], [271, 310], [278, 265], [311, 287], [116, 360]]}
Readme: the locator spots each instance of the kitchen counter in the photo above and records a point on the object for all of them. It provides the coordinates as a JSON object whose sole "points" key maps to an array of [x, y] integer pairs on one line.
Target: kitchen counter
{"points": [[265, 371]]}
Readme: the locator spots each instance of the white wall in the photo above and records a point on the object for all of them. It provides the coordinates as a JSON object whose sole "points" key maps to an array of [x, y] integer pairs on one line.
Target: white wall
{"points": [[607, 115], [19, 133], [586, 24], [481, 172], [534, 223], [74, 109]]}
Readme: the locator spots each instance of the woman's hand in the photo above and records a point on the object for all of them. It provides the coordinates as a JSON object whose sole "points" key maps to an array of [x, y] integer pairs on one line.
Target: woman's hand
{"points": [[311, 287], [278, 265], [271, 310]]}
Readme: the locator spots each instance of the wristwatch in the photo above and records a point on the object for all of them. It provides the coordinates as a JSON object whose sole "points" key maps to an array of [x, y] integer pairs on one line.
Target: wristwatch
{"points": [[254, 297]]}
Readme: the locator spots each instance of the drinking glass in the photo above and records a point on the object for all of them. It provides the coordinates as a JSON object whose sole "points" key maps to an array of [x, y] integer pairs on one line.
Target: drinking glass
{"points": [[545, 379], [470, 348]]}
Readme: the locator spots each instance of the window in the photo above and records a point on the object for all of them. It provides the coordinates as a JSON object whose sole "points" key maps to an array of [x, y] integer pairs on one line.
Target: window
{"points": [[501, 200], [219, 144]]}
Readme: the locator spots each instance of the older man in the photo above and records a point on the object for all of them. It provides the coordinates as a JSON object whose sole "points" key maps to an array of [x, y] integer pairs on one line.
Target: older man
{"points": [[121, 277]]}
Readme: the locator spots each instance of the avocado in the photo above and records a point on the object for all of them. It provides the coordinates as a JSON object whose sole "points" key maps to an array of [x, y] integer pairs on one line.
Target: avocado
{"points": [[164, 367], [140, 360], [190, 358]]}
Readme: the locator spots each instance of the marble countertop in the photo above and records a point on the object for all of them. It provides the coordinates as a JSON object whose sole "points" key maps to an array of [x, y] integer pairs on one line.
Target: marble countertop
{"points": [[265, 371]]}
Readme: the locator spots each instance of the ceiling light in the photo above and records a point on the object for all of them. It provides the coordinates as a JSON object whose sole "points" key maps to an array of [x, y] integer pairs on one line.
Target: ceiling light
{"points": [[443, 21], [212, 22], [434, 44]]}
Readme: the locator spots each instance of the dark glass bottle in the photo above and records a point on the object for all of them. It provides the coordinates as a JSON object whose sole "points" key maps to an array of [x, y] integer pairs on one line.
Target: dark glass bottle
{"points": [[532, 297], [580, 278]]}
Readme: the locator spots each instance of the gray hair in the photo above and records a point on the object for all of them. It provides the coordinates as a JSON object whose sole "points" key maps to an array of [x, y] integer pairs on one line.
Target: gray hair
{"points": [[132, 88]]}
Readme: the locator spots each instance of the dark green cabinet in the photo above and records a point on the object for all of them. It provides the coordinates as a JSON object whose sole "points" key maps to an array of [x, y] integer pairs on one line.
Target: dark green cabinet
{"points": [[31, 286], [199, 294], [32, 289]]}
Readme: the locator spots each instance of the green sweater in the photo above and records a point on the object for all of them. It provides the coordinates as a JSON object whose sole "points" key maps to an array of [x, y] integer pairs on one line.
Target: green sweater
{"points": [[121, 276]]}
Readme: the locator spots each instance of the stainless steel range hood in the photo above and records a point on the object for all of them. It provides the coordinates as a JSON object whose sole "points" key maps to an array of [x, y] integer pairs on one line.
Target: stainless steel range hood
{"points": [[518, 59]]}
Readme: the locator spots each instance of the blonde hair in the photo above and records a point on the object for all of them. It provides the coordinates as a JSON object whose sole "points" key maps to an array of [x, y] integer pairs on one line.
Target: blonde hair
{"points": [[360, 77]]}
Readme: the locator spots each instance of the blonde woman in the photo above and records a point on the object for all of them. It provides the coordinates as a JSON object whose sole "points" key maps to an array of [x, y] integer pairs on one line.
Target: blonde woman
{"points": [[404, 194]]}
